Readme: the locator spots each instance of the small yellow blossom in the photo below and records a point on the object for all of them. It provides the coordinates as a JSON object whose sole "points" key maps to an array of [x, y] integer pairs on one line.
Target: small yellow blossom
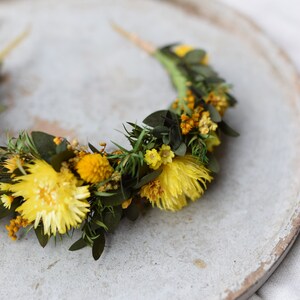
{"points": [[94, 168], [184, 178], [12, 163], [7, 200], [126, 203], [206, 124], [212, 141], [153, 159], [166, 154], [218, 100], [58, 140], [15, 225], [56, 199], [182, 50]]}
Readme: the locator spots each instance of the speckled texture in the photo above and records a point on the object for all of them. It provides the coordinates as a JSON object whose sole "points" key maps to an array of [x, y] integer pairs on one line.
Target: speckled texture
{"points": [[75, 75]]}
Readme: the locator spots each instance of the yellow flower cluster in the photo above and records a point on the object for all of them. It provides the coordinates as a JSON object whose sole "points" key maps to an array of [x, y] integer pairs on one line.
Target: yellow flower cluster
{"points": [[219, 101], [7, 200], [94, 168], [155, 159], [206, 124], [15, 225], [12, 163], [184, 178]]}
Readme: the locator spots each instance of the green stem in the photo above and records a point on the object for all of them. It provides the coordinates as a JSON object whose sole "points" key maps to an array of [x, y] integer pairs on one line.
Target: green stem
{"points": [[179, 81]]}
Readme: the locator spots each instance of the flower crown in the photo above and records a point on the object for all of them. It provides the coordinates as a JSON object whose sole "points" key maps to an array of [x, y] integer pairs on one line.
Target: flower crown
{"points": [[54, 186]]}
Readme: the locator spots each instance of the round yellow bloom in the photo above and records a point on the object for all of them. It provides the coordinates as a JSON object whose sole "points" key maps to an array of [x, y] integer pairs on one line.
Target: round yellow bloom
{"points": [[94, 168], [55, 198], [153, 159], [166, 154], [7, 200], [184, 178]]}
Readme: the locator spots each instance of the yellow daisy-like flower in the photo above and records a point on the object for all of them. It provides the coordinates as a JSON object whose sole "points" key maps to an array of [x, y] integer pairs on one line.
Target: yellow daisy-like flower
{"points": [[12, 163], [7, 200], [166, 154], [184, 178], [206, 124], [153, 159], [94, 168], [5, 187], [55, 198]]}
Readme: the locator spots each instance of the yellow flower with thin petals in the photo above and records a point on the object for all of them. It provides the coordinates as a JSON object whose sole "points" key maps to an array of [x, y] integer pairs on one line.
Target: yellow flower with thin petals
{"points": [[153, 159], [7, 200], [5, 187], [12, 163], [184, 178], [53, 198], [94, 168], [166, 154]]}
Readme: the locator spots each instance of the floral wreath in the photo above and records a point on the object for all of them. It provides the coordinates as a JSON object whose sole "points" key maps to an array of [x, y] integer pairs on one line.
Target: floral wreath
{"points": [[54, 186]]}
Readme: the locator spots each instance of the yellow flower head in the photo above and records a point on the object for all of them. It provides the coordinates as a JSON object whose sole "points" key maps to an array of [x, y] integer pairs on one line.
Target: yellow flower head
{"points": [[7, 200], [153, 159], [182, 50], [184, 178], [12, 163], [218, 100], [94, 168], [126, 203], [166, 154], [55, 198], [206, 124]]}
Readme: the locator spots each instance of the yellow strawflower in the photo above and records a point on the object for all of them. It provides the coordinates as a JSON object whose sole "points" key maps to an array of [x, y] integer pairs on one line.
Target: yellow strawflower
{"points": [[12, 163], [153, 159], [7, 200], [94, 168], [53, 198], [184, 178], [166, 154]]}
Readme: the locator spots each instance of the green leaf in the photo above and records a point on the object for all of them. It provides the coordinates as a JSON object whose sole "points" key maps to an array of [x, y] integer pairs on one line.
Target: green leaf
{"points": [[63, 146], [213, 164], [226, 129], [94, 149], [44, 144], [194, 56], [42, 238], [112, 218], [59, 158], [214, 114], [81, 243], [156, 119], [181, 150], [160, 130], [98, 246], [205, 71], [132, 212], [147, 178], [118, 198]]}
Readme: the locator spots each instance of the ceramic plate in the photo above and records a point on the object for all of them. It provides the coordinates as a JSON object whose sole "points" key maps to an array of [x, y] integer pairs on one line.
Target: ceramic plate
{"points": [[75, 76]]}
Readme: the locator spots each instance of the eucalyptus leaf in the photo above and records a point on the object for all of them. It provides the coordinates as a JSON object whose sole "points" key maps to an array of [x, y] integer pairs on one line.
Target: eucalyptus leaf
{"points": [[132, 212], [213, 164], [205, 71], [42, 238], [194, 56], [214, 114], [44, 144], [226, 129], [181, 150], [57, 160], [98, 246], [147, 178], [112, 219], [81, 243], [156, 119]]}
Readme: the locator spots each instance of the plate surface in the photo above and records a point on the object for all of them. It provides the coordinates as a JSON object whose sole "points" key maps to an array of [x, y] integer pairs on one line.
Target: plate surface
{"points": [[75, 76]]}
